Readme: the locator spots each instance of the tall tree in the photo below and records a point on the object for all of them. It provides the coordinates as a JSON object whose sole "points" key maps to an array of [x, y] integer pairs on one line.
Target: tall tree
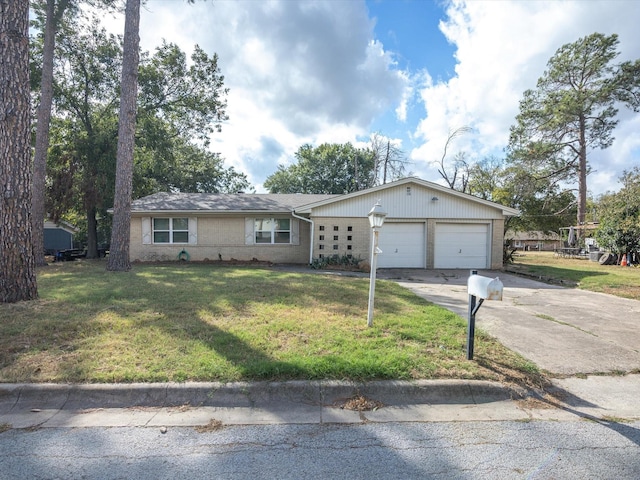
{"points": [[390, 160], [329, 168], [53, 12], [457, 175], [86, 92], [572, 110], [180, 103], [53, 15], [543, 207], [119, 247], [17, 265]]}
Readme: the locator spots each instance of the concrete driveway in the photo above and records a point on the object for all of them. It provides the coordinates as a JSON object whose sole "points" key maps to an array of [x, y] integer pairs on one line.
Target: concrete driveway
{"points": [[564, 331]]}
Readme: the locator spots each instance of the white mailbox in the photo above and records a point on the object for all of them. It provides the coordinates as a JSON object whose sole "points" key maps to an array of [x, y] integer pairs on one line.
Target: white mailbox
{"points": [[485, 287]]}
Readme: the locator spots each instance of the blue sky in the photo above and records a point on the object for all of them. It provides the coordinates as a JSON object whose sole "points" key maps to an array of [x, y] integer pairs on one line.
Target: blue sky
{"points": [[302, 71]]}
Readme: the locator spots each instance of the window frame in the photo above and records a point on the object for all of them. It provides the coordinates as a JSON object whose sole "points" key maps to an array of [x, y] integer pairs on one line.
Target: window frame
{"points": [[273, 231], [171, 231]]}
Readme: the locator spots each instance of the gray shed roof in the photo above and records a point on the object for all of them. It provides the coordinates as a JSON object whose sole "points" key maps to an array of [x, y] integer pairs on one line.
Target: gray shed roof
{"points": [[224, 202]]}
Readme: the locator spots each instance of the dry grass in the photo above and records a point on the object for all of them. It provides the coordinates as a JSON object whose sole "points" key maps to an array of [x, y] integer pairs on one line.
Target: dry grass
{"points": [[213, 426]]}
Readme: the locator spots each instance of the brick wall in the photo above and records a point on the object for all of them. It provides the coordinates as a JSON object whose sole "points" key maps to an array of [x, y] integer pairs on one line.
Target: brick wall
{"points": [[220, 236], [341, 236]]}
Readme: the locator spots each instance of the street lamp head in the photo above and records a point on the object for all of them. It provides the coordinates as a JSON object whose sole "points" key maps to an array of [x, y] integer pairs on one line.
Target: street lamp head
{"points": [[376, 215]]}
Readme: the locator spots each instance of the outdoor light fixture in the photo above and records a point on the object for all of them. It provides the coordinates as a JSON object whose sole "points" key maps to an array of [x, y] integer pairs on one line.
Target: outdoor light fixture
{"points": [[376, 219], [434, 199]]}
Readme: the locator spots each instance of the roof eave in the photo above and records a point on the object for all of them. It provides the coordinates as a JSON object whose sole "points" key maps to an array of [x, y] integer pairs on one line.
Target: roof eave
{"points": [[210, 212]]}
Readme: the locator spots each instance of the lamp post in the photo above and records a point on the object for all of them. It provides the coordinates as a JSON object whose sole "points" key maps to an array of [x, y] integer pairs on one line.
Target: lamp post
{"points": [[376, 219]]}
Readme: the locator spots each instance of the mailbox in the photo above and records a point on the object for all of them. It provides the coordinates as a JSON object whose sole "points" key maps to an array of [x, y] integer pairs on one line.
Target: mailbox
{"points": [[480, 289], [485, 287]]}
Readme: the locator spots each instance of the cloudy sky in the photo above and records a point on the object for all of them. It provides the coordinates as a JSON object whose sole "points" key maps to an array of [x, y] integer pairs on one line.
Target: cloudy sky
{"points": [[302, 71]]}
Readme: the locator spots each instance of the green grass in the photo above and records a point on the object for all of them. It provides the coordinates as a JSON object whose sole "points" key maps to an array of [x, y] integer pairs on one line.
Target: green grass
{"points": [[582, 273], [204, 322]]}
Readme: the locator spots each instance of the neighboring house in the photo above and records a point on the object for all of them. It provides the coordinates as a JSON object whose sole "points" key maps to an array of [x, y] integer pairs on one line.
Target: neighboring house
{"points": [[57, 236], [427, 226], [534, 240]]}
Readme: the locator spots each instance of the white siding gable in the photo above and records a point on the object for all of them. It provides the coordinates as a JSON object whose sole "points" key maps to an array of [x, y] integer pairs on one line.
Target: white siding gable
{"points": [[417, 203]]}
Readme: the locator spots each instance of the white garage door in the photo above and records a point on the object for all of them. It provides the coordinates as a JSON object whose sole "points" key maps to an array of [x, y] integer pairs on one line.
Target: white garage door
{"points": [[403, 245], [461, 245]]}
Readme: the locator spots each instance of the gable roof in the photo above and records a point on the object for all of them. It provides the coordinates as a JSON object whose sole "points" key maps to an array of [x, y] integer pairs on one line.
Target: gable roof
{"points": [[223, 202], [299, 203], [508, 211]]}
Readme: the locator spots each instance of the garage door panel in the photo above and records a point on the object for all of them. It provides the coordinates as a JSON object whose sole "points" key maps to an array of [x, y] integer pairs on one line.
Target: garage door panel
{"points": [[403, 245], [459, 245]]}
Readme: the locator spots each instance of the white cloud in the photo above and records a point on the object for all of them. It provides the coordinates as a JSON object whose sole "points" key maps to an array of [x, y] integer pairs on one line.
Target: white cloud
{"points": [[313, 71], [298, 72], [502, 49]]}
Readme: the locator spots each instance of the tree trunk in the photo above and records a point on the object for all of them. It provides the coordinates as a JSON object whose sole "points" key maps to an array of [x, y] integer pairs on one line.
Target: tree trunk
{"points": [[120, 232], [582, 175], [42, 136], [17, 266], [92, 233]]}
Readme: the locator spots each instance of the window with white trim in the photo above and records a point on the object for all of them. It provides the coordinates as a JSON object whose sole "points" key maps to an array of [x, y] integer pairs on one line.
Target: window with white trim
{"points": [[272, 230], [170, 230]]}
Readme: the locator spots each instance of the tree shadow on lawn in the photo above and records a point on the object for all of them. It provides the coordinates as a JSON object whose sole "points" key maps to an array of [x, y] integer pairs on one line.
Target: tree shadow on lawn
{"points": [[174, 311], [225, 296], [232, 294]]}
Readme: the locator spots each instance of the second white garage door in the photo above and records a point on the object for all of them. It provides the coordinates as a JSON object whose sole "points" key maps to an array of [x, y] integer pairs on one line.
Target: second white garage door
{"points": [[461, 245], [403, 245]]}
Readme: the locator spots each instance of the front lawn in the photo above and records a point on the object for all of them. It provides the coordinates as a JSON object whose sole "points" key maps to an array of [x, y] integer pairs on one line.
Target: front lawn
{"points": [[205, 322]]}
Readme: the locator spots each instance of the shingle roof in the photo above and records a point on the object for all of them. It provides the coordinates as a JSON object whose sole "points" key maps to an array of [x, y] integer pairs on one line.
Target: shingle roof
{"points": [[224, 202]]}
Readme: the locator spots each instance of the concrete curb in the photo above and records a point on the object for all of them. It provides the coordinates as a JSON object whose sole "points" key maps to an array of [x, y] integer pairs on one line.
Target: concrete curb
{"points": [[254, 403], [307, 402], [249, 394]]}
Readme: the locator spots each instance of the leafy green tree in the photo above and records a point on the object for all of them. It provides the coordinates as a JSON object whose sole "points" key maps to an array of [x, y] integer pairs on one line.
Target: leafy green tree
{"points": [[573, 110], [17, 264], [180, 103], [328, 168], [86, 87], [619, 216], [184, 167], [48, 17], [543, 206]]}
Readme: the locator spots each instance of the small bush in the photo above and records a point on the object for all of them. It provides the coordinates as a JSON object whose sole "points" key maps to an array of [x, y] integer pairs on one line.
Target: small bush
{"points": [[343, 261]]}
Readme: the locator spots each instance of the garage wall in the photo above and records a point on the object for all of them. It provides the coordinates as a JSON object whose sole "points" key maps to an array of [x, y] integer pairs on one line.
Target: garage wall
{"points": [[341, 236], [405, 204], [403, 245], [462, 245]]}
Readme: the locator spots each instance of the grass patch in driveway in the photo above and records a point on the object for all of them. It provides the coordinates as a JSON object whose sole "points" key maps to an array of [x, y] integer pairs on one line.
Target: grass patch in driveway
{"points": [[583, 273], [203, 322]]}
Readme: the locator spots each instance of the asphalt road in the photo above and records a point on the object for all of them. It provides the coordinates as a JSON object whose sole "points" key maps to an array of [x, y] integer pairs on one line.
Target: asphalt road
{"points": [[452, 450]]}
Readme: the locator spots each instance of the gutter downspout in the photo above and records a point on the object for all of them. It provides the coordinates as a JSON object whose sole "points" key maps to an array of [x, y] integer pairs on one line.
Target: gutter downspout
{"points": [[293, 214]]}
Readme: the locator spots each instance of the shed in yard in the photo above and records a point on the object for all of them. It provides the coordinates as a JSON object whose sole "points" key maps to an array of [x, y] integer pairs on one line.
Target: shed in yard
{"points": [[58, 236]]}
